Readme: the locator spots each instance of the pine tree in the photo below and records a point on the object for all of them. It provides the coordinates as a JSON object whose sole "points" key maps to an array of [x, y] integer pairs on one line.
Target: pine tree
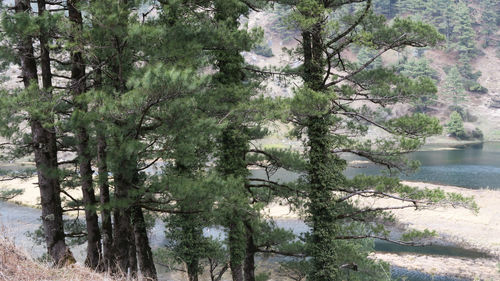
{"points": [[454, 86], [233, 142], [365, 54], [463, 36], [118, 118], [77, 88], [489, 20], [35, 105], [455, 126], [420, 69], [325, 112]]}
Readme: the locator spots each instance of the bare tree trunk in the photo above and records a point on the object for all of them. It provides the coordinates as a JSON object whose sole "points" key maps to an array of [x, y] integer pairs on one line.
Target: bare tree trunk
{"points": [[144, 253], [94, 258], [193, 269]]}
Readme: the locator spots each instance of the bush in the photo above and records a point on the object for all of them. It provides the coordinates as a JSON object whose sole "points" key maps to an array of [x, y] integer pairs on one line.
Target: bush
{"points": [[477, 134], [263, 50], [465, 114], [475, 87], [455, 126]]}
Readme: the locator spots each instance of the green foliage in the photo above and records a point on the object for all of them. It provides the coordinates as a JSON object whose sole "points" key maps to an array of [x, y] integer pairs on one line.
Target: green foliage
{"points": [[420, 69], [454, 87], [388, 8], [455, 126], [339, 101], [74, 229], [477, 134], [489, 17], [282, 24], [463, 34], [263, 276], [475, 87], [263, 49], [365, 54], [10, 194], [416, 68], [465, 114], [455, 20], [414, 235]]}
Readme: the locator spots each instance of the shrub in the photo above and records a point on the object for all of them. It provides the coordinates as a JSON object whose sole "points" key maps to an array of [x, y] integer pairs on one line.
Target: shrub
{"points": [[477, 134], [263, 50], [456, 126], [475, 87]]}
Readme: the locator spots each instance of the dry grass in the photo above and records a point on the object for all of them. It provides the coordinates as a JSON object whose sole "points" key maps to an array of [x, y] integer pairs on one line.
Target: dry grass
{"points": [[15, 265]]}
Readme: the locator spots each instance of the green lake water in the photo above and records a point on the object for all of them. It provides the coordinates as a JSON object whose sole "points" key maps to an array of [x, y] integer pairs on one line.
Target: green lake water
{"points": [[472, 166]]}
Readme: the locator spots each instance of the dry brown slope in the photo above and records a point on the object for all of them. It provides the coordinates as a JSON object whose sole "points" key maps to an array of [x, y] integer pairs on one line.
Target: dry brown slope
{"points": [[17, 266]]}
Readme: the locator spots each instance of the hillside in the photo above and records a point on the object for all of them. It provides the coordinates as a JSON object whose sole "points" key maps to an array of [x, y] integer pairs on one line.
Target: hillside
{"points": [[474, 53]]}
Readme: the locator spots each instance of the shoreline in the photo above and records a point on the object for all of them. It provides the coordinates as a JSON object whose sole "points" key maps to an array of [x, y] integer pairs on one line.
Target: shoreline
{"points": [[454, 226], [473, 269]]}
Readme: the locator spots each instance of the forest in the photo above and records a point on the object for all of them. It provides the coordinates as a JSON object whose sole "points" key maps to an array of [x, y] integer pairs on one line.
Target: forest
{"points": [[193, 122]]}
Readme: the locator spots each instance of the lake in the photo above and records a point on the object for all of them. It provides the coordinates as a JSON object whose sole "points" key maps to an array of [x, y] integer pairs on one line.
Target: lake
{"points": [[471, 166]]}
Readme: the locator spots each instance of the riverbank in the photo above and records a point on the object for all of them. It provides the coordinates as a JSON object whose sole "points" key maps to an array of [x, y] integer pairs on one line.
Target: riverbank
{"points": [[455, 226], [471, 269], [31, 193], [445, 140]]}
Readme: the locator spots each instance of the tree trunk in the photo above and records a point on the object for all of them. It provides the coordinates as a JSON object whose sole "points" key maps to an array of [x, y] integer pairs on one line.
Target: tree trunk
{"points": [[44, 147], [94, 258], [103, 183], [234, 145], [107, 227], [44, 52], [46, 163], [192, 270], [144, 253], [323, 248], [236, 251], [251, 249], [192, 237], [122, 228], [132, 254]]}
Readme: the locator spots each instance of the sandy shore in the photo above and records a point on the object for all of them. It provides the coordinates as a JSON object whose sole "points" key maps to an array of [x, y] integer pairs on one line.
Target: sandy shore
{"points": [[456, 225], [474, 269], [31, 193], [453, 225]]}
